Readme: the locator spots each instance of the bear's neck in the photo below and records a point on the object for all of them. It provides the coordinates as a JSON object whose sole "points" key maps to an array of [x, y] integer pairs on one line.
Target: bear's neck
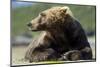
{"points": [[56, 33]]}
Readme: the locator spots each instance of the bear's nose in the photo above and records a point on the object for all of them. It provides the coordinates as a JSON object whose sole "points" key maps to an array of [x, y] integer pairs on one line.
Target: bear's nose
{"points": [[29, 24]]}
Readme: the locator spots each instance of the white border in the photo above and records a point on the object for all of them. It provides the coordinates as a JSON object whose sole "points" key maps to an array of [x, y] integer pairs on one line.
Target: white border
{"points": [[5, 33], [85, 2]]}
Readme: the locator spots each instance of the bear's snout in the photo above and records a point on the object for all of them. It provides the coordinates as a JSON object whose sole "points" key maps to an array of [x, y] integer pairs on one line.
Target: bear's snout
{"points": [[29, 24], [33, 26]]}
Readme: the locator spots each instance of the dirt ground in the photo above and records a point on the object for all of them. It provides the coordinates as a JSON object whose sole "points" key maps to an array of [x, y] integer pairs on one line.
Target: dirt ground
{"points": [[18, 53]]}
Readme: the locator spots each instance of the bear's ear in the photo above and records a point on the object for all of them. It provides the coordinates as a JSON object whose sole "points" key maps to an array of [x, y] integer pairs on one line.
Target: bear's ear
{"points": [[67, 11], [42, 14], [64, 9]]}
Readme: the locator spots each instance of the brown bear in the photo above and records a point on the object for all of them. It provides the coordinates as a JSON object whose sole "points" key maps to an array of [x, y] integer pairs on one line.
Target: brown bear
{"points": [[62, 37]]}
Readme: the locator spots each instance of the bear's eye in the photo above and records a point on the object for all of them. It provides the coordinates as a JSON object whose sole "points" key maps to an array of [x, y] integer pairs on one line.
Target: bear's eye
{"points": [[42, 14]]}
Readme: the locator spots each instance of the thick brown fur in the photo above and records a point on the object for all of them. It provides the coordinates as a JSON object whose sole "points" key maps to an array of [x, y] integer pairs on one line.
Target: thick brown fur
{"points": [[62, 37]]}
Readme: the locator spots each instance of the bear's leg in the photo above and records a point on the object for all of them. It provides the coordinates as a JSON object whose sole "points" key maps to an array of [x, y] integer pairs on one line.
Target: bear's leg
{"points": [[83, 54]]}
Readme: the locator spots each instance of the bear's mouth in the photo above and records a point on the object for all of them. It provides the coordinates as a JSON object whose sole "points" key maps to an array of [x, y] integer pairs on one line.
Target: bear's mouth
{"points": [[34, 30], [31, 29]]}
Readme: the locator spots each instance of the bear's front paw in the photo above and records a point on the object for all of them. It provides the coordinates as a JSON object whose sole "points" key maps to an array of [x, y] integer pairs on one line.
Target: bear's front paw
{"points": [[45, 55]]}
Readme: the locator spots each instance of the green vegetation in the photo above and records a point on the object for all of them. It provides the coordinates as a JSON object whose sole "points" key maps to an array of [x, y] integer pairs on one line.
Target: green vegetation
{"points": [[22, 15]]}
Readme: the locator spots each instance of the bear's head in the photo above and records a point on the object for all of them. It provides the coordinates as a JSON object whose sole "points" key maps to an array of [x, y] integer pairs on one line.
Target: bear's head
{"points": [[51, 19]]}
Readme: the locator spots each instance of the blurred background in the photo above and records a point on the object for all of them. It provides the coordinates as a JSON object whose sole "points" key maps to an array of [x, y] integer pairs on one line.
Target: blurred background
{"points": [[23, 12]]}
